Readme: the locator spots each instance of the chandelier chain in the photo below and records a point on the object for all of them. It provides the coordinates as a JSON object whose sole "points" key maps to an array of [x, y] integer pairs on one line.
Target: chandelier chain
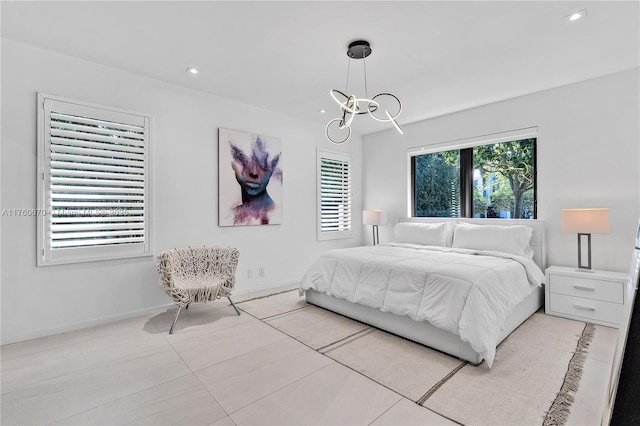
{"points": [[366, 90], [346, 89]]}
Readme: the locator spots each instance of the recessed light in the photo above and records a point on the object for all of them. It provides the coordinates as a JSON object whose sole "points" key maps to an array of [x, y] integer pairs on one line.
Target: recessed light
{"points": [[322, 111], [192, 70], [577, 15]]}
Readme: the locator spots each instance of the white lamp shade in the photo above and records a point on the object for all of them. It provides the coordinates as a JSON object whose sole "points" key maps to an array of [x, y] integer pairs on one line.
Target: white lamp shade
{"points": [[374, 217], [585, 221]]}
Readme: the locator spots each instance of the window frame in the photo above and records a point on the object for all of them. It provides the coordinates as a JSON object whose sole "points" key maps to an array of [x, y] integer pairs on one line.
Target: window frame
{"points": [[47, 255], [347, 158], [465, 146]]}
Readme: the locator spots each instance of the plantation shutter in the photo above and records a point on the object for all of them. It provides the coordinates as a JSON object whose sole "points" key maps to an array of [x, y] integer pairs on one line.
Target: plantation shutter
{"points": [[94, 179], [334, 177]]}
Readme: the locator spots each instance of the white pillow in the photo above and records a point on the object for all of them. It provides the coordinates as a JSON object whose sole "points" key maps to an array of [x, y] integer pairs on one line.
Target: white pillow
{"points": [[510, 239], [428, 234]]}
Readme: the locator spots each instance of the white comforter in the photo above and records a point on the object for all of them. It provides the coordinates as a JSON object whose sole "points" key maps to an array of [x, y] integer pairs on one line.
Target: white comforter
{"points": [[466, 292]]}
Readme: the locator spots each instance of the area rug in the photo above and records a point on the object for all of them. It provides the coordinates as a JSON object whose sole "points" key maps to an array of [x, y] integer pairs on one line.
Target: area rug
{"points": [[532, 382]]}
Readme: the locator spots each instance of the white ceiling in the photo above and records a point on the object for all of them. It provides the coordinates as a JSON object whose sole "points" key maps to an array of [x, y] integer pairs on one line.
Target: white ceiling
{"points": [[437, 57]]}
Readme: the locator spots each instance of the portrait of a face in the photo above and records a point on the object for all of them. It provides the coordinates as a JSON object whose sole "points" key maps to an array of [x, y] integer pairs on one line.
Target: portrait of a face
{"points": [[250, 179]]}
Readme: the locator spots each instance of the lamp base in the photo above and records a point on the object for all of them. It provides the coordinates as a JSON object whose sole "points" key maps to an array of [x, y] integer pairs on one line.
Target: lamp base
{"points": [[586, 267]]}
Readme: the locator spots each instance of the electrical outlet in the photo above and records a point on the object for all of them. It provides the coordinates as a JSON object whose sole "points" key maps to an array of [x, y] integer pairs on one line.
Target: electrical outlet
{"points": [[261, 271], [249, 273]]}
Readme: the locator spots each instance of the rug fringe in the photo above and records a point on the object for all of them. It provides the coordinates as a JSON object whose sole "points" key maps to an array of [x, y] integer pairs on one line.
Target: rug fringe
{"points": [[559, 410]]}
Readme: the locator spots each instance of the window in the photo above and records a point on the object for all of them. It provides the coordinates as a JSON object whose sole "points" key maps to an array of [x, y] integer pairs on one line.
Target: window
{"points": [[93, 182], [496, 180], [437, 184], [334, 195]]}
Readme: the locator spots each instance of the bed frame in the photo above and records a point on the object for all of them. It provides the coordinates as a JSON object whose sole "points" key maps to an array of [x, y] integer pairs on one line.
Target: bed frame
{"points": [[422, 331]]}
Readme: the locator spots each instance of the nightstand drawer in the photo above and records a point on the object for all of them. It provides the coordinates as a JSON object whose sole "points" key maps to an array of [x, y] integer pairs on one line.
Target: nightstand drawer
{"points": [[586, 308], [609, 291]]}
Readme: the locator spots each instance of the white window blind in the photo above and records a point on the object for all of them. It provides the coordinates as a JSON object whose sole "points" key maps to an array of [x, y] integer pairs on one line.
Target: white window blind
{"points": [[94, 182], [334, 195]]}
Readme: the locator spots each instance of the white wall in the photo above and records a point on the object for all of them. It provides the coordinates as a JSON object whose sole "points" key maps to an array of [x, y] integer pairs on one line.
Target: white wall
{"points": [[588, 152], [40, 301]]}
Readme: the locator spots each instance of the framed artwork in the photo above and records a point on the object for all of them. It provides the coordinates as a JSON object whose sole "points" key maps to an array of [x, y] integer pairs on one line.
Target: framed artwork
{"points": [[249, 179]]}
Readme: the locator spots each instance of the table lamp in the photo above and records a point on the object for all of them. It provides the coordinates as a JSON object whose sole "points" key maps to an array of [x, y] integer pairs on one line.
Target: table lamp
{"points": [[585, 222], [375, 218]]}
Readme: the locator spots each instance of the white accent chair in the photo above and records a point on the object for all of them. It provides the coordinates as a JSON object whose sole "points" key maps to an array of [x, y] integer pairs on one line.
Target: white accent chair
{"points": [[200, 274]]}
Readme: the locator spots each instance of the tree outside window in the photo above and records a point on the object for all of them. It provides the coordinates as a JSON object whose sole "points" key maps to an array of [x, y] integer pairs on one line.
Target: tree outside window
{"points": [[501, 181], [437, 184]]}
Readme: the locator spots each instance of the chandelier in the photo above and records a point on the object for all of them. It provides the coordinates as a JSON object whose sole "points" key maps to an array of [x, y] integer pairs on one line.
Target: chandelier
{"points": [[351, 105]]}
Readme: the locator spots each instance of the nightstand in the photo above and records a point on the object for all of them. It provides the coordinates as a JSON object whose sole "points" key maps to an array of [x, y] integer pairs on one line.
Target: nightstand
{"points": [[596, 297]]}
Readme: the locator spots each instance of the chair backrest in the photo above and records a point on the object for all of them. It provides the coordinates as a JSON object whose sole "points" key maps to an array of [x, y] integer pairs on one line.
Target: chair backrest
{"points": [[198, 262]]}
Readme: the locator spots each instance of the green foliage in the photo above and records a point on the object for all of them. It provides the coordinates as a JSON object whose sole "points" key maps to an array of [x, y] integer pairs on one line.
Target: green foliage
{"points": [[508, 167], [437, 184], [527, 205], [479, 203], [514, 161], [502, 199]]}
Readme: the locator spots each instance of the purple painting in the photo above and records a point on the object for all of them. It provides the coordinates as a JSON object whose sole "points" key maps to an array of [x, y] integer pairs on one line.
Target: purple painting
{"points": [[250, 179]]}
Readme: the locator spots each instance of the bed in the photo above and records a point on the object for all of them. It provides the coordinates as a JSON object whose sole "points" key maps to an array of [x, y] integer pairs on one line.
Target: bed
{"points": [[443, 283]]}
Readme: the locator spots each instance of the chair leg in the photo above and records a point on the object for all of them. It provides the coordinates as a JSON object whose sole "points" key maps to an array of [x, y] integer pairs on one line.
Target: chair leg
{"points": [[175, 319], [234, 306]]}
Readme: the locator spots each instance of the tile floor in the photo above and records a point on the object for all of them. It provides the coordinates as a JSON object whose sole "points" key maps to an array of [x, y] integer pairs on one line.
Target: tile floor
{"points": [[217, 369]]}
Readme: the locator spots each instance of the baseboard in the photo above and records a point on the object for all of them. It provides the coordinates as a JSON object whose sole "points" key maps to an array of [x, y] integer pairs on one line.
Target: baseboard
{"points": [[82, 325], [238, 296]]}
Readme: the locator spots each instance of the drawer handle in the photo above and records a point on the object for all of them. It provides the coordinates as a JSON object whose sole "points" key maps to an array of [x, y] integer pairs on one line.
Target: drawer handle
{"points": [[584, 308], [582, 287]]}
